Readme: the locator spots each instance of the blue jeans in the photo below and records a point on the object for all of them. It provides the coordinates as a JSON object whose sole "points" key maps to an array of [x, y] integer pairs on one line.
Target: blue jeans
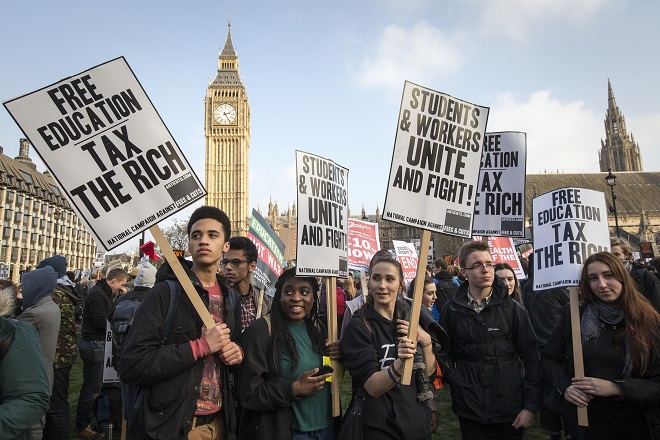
{"points": [[91, 353], [322, 434]]}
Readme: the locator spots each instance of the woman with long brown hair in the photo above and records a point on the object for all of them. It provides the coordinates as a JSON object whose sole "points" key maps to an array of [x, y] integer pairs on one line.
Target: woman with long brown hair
{"points": [[508, 277], [621, 349]]}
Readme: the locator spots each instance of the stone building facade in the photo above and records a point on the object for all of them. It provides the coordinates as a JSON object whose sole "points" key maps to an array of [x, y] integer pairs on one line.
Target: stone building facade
{"points": [[227, 133], [37, 221], [619, 151]]}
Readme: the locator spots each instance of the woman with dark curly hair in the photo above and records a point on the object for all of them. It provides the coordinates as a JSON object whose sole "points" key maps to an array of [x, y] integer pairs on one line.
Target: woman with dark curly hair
{"points": [[276, 385], [621, 348]]}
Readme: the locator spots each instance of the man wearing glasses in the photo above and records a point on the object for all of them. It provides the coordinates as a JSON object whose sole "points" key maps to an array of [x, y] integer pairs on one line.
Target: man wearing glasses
{"points": [[239, 262], [493, 359]]}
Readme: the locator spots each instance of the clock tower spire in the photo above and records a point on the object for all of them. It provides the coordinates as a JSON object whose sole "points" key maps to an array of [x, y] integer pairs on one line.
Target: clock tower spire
{"points": [[227, 133]]}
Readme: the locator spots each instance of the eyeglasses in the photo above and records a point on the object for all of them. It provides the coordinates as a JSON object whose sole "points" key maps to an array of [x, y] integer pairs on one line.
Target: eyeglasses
{"points": [[479, 266], [233, 263]]}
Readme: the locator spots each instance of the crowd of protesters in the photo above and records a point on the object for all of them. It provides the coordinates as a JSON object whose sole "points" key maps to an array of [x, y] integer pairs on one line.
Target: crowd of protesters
{"points": [[503, 348]]}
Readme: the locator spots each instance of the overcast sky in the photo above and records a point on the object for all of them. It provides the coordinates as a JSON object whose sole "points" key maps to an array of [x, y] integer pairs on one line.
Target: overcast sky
{"points": [[327, 77]]}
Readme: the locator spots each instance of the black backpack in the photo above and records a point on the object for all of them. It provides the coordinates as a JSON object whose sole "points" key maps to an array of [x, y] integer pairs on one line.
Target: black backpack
{"points": [[133, 394]]}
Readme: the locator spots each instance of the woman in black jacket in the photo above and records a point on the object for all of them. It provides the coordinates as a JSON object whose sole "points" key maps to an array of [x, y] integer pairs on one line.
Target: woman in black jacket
{"points": [[374, 346], [621, 348], [280, 396]]}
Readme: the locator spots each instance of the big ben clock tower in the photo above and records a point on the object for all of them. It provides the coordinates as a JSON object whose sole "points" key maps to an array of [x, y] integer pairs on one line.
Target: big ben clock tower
{"points": [[227, 132]]}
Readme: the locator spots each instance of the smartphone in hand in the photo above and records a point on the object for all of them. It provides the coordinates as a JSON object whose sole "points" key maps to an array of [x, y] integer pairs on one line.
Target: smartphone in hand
{"points": [[326, 369]]}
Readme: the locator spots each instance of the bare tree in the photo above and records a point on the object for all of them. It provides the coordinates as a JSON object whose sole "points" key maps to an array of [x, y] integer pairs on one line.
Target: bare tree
{"points": [[177, 235]]}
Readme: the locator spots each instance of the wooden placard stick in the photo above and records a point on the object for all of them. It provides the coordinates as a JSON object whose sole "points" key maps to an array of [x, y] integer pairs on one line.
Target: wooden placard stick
{"points": [[578, 360], [182, 276], [364, 284], [417, 302], [260, 302], [331, 305]]}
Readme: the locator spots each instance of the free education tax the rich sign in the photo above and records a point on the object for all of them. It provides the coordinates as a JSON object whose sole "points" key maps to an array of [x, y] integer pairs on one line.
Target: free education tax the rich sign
{"points": [[435, 164], [110, 152]]}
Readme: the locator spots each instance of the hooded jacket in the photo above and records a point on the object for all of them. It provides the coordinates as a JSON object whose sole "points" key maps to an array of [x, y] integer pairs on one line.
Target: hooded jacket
{"points": [[24, 392], [366, 351], [493, 356], [40, 311], [170, 374]]}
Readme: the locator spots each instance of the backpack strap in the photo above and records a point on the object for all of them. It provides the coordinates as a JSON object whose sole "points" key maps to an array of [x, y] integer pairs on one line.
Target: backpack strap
{"points": [[267, 319], [175, 293]]}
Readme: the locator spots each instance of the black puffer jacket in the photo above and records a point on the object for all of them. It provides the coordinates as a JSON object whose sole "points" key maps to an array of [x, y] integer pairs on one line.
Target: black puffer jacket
{"points": [[493, 360], [170, 373]]}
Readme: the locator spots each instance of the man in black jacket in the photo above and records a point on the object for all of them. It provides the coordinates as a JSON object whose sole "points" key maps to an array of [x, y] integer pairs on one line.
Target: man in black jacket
{"points": [[493, 355], [445, 285], [91, 346], [186, 380], [647, 283]]}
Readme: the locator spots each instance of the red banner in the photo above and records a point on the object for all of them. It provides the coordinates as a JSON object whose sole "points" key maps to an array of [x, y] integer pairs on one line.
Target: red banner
{"points": [[362, 243]]}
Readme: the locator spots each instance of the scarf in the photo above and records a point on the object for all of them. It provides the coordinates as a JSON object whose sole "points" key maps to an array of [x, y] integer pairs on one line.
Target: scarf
{"points": [[593, 323]]}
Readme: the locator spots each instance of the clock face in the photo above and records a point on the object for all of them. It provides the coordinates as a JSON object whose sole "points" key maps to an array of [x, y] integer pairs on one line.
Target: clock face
{"points": [[224, 114]]}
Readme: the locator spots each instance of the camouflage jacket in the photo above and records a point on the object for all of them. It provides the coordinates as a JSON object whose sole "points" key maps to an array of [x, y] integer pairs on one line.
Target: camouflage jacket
{"points": [[67, 339]]}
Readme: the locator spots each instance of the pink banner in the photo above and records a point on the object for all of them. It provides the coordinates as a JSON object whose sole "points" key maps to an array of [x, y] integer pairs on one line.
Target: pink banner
{"points": [[362, 243]]}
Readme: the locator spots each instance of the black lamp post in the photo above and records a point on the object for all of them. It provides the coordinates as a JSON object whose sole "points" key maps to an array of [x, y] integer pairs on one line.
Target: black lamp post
{"points": [[57, 216], [611, 181]]}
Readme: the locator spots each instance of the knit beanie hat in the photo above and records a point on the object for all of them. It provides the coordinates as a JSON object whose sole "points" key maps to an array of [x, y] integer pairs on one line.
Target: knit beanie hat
{"points": [[57, 262], [146, 276]]}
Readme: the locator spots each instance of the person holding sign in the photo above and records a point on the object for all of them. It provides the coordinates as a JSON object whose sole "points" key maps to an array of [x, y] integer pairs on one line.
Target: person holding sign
{"points": [[621, 349], [493, 361], [374, 345], [281, 386], [186, 378]]}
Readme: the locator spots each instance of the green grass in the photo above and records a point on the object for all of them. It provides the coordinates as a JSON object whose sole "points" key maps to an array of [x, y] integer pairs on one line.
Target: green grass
{"points": [[448, 428]]}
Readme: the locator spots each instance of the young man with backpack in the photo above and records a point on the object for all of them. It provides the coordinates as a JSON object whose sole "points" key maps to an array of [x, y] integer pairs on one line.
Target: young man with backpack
{"points": [[185, 374], [493, 362]]}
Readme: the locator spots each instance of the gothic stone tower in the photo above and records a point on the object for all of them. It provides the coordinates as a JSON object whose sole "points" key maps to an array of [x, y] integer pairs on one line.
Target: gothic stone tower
{"points": [[227, 132], [619, 152]]}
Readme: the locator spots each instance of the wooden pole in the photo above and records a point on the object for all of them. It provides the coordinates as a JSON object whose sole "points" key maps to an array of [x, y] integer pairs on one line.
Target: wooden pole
{"points": [[417, 302], [331, 306], [182, 276], [260, 302], [578, 361]]}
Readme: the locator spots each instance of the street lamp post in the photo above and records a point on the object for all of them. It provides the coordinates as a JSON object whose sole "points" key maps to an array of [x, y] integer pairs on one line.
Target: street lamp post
{"points": [[611, 181], [57, 216]]}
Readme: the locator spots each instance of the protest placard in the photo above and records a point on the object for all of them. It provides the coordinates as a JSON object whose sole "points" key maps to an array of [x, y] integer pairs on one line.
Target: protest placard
{"points": [[430, 258], [110, 374], [363, 243], [129, 172], [646, 250], [500, 204], [569, 225], [435, 164], [407, 256], [270, 254], [504, 251], [4, 271], [322, 188]]}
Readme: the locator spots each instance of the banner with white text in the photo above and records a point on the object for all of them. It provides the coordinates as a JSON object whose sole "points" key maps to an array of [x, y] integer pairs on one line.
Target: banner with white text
{"points": [[322, 188], [500, 206], [363, 243], [569, 225], [270, 254], [106, 145], [435, 164]]}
